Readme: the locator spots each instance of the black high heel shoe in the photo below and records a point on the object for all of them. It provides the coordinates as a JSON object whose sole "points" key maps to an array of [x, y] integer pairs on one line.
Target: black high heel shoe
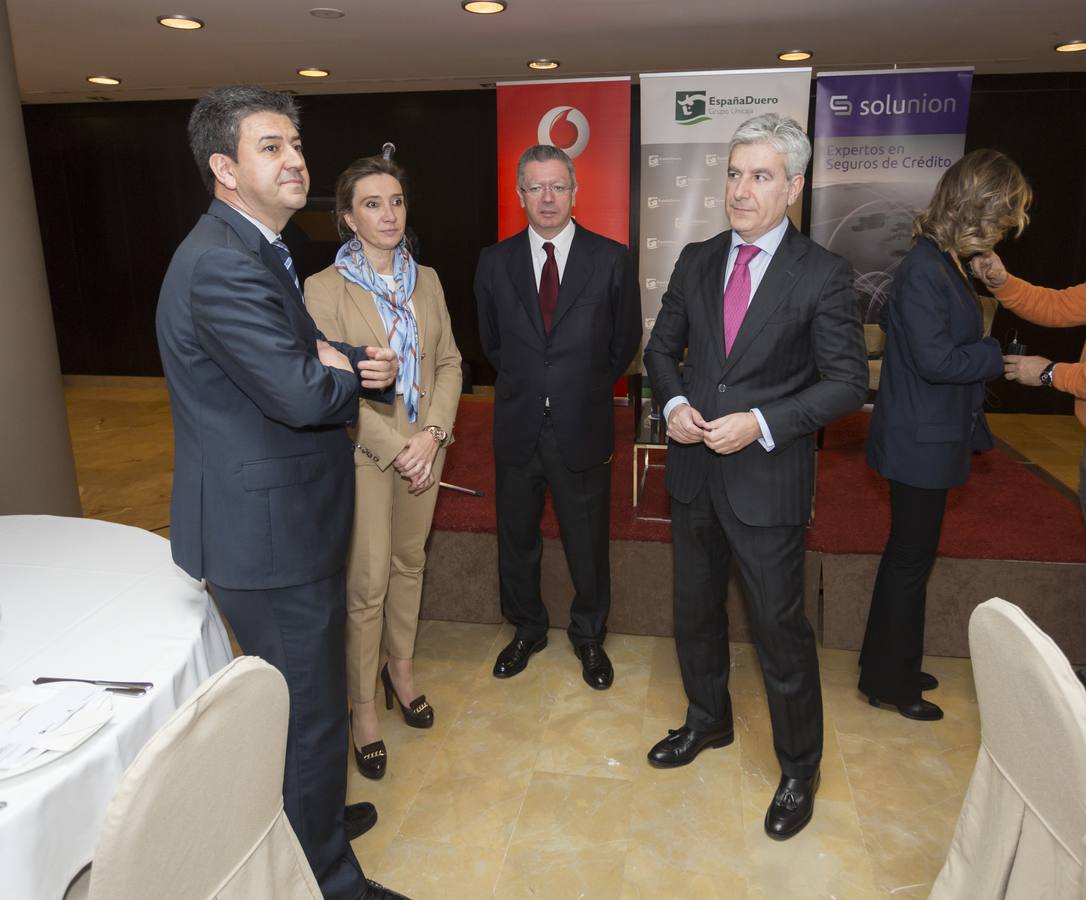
{"points": [[419, 714], [371, 760]]}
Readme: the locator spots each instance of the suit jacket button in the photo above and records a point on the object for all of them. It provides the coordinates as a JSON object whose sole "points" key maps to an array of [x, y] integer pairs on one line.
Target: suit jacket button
{"points": [[422, 393], [546, 362], [721, 388]]}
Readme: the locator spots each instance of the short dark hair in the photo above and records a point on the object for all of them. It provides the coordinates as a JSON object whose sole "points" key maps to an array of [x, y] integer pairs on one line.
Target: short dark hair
{"points": [[354, 173], [544, 153], [216, 119]]}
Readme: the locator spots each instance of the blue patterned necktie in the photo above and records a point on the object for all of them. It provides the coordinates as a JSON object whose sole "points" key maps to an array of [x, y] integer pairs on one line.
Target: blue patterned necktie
{"points": [[288, 263]]}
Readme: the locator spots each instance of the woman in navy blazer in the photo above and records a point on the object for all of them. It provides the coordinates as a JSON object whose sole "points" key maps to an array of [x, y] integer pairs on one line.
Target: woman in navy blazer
{"points": [[928, 416]]}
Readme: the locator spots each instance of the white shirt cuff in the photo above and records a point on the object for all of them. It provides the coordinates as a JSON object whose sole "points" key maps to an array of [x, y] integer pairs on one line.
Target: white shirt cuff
{"points": [[671, 404], [766, 440]]}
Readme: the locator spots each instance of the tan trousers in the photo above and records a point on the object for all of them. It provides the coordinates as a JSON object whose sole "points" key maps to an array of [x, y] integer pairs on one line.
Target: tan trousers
{"points": [[385, 568]]}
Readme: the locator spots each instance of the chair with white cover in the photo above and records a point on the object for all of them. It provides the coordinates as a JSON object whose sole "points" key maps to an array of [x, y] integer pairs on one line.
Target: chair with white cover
{"points": [[1022, 827], [199, 813]]}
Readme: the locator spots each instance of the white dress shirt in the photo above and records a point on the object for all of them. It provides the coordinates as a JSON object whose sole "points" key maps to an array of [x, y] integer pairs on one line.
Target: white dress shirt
{"points": [[768, 243], [270, 236], [561, 241]]}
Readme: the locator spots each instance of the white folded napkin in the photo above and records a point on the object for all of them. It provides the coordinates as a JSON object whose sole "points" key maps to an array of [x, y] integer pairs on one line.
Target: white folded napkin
{"points": [[53, 718]]}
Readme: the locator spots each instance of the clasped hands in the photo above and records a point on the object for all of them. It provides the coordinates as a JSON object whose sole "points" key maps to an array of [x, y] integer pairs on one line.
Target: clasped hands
{"points": [[728, 434], [415, 461], [376, 373]]}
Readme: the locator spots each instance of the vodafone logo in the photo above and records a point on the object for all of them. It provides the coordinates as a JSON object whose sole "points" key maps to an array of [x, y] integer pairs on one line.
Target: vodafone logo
{"points": [[566, 128]]}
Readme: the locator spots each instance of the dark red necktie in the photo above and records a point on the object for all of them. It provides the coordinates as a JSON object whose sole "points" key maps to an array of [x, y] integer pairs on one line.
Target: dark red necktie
{"points": [[548, 287]]}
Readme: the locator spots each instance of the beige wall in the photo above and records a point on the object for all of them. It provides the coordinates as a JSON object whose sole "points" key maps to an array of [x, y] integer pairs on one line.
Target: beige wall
{"points": [[37, 472]]}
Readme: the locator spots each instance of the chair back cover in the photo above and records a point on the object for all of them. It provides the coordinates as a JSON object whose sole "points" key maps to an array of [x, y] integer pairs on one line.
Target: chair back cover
{"points": [[199, 813], [1022, 827]]}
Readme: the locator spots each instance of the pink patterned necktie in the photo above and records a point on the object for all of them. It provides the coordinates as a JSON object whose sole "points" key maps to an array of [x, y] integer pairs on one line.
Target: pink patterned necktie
{"points": [[737, 295]]}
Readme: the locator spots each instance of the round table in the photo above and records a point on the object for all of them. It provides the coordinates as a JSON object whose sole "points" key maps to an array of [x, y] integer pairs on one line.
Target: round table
{"points": [[88, 599]]}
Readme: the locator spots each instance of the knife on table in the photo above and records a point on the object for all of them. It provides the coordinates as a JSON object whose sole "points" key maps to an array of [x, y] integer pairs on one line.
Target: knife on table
{"points": [[119, 686]]}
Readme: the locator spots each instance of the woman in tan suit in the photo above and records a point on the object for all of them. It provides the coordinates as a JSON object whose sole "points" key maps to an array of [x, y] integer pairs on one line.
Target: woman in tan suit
{"points": [[376, 295]]}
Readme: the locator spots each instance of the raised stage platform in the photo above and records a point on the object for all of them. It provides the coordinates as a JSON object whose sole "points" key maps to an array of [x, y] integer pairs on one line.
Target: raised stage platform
{"points": [[1007, 533]]}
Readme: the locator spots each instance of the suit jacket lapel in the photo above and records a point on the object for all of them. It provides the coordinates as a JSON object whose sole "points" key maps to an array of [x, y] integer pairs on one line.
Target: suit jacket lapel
{"points": [[577, 272], [257, 243], [522, 275], [713, 285], [271, 259], [774, 289], [365, 306], [421, 303]]}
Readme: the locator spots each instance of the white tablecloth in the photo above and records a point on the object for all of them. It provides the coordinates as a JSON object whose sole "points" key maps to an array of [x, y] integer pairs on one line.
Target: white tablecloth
{"points": [[89, 599]]}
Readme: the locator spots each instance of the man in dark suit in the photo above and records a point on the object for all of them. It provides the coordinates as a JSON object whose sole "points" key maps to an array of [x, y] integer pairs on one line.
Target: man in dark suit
{"points": [[774, 350], [559, 318], [263, 470]]}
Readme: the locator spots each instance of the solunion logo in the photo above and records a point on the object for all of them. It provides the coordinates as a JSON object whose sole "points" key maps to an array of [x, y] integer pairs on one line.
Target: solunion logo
{"points": [[690, 107]]}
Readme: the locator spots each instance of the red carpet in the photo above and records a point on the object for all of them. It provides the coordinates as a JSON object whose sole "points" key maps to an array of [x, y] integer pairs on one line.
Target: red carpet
{"points": [[1004, 512]]}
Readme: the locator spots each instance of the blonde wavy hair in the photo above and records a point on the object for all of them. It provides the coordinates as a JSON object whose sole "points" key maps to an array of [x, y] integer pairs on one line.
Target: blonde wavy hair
{"points": [[979, 199]]}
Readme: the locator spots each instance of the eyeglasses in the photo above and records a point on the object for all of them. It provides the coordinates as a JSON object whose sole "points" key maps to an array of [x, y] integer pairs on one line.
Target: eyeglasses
{"points": [[534, 190]]}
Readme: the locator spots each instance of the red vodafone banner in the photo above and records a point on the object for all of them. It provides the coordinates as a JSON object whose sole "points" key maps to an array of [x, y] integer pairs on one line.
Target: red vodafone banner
{"points": [[590, 120]]}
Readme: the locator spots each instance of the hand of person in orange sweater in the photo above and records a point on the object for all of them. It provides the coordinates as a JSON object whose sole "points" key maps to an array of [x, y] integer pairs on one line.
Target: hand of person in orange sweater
{"points": [[1025, 369], [988, 267]]}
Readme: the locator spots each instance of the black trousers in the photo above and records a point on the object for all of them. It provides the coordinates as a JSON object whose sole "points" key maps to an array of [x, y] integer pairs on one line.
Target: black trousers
{"points": [[706, 536], [894, 640], [299, 630], [582, 502]]}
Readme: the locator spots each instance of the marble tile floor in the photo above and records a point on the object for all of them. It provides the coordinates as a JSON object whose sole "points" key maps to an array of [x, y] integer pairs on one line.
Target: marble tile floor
{"points": [[537, 787]]}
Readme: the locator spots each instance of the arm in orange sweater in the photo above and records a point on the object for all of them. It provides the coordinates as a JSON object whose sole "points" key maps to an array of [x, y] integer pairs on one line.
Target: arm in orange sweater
{"points": [[1047, 306], [1044, 306]]}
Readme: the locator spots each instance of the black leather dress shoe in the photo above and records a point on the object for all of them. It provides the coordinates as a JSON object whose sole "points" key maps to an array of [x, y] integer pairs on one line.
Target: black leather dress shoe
{"points": [[596, 668], [358, 818], [514, 658], [371, 760], [928, 682], [919, 709], [375, 891], [791, 807], [682, 745]]}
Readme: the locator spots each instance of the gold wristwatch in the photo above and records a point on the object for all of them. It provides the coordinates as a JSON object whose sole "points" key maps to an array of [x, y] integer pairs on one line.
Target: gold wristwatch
{"points": [[440, 435]]}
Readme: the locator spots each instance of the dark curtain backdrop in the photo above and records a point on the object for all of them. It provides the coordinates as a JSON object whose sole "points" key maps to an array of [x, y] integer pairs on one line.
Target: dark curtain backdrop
{"points": [[117, 190]]}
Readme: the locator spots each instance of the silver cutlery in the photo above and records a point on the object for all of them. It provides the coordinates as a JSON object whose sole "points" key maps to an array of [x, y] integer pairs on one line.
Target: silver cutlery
{"points": [[134, 688]]}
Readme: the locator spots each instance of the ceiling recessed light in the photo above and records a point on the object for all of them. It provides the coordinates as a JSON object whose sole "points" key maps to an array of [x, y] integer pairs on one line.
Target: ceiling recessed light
{"points": [[327, 12], [1071, 47], [103, 79], [483, 7], [543, 64], [313, 72], [794, 55], [181, 21]]}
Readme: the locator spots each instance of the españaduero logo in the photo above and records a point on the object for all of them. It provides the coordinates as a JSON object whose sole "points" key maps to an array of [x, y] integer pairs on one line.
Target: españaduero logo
{"points": [[842, 105], [694, 107], [566, 128]]}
